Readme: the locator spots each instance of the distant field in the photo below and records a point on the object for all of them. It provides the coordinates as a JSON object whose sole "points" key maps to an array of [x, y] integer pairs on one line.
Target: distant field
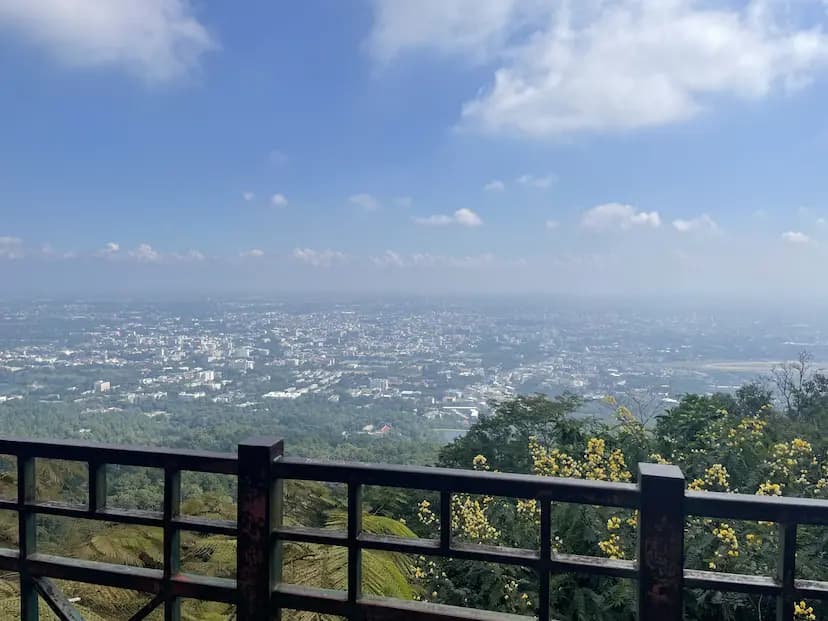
{"points": [[750, 366]]}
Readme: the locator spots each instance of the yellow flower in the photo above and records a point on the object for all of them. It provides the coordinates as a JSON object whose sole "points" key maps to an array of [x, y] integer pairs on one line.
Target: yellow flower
{"points": [[612, 547], [769, 489], [480, 462], [803, 611]]}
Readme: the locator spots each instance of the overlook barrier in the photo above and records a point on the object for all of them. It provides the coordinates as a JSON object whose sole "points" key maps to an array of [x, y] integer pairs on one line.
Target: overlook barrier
{"points": [[260, 595]]}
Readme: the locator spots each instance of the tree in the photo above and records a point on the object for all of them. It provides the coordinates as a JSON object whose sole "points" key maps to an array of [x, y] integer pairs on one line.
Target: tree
{"points": [[789, 378]]}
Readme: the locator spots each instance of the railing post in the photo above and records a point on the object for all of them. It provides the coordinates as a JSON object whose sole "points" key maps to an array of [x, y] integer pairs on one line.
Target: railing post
{"points": [[254, 553], [660, 543], [786, 572], [27, 535], [172, 541]]}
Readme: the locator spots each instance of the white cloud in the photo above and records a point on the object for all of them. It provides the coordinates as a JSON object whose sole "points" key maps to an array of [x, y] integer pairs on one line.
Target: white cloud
{"points": [[551, 225], [389, 258], [403, 201], [796, 238], [248, 196], [11, 248], [495, 185], [278, 200], [319, 258], [427, 260], [536, 182], [591, 66], [109, 250], [473, 28], [192, 255], [145, 254], [253, 253], [618, 216], [463, 217], [701, 224], [821, 221], [367, 201], [466, 217], [156, 40]]}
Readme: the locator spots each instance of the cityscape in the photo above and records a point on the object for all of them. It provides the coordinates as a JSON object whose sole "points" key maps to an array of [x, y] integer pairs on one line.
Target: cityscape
{"points": [[440, 364]]}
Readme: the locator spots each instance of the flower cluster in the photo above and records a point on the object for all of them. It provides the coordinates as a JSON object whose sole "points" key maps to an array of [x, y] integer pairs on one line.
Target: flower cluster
{"points": [[469, 517], [793, 461], [748, 429], [769, 489], [612, 547], [728, 544], [716, 478], [480, 462], [600, 466], [529, 509], [552, 463], [803, 611], [425, 513]]}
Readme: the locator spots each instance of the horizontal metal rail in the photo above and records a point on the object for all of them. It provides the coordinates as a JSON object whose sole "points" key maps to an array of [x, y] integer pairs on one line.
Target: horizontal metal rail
{"points": [[168, 584], [505, 484], [260, 593]]}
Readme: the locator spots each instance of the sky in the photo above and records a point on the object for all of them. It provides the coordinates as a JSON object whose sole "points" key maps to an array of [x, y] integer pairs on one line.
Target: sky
{"points": [[636, 147]]}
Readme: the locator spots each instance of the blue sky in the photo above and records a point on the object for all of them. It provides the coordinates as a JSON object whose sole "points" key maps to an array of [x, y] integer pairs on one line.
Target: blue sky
{"points": [[630, 146]]}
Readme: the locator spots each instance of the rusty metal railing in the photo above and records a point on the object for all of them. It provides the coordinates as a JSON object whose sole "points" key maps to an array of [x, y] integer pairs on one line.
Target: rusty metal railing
{"points": [[260, 594]]}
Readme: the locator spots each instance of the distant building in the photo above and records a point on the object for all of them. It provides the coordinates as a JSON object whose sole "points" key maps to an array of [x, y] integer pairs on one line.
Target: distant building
{"points": [[101, 386], [379, 384], [242, 365], [191, 396]]}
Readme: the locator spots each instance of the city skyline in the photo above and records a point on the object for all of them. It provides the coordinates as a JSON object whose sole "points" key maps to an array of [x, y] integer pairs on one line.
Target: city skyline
{"points": [[627, 147]]}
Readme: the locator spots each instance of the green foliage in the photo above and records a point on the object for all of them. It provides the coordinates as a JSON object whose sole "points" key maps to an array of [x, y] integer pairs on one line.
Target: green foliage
{"points": [[503, 437], [722, 442]]}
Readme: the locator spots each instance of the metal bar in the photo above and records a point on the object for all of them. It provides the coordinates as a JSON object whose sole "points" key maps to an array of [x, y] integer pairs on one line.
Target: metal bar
{"points": [[545, 555], [811, 589], [97, 486], [304, 534], [779, 509], [262, 468], [254, 559], [129, 516], [27, 535], [354, 549], [56, 600], [445, 521], [524, 486], [135, 578], [786, 572], [277, 518], [148, 608], [732, 583], [172, 541], [522, 557], [329, 602], [660, 543], [74, 450]]}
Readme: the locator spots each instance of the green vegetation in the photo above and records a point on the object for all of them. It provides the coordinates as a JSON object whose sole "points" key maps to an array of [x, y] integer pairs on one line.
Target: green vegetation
{"points": [[728, 443]]}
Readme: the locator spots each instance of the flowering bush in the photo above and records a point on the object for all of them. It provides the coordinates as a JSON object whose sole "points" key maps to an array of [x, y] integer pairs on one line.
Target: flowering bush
{"points": [[720, 443]]}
